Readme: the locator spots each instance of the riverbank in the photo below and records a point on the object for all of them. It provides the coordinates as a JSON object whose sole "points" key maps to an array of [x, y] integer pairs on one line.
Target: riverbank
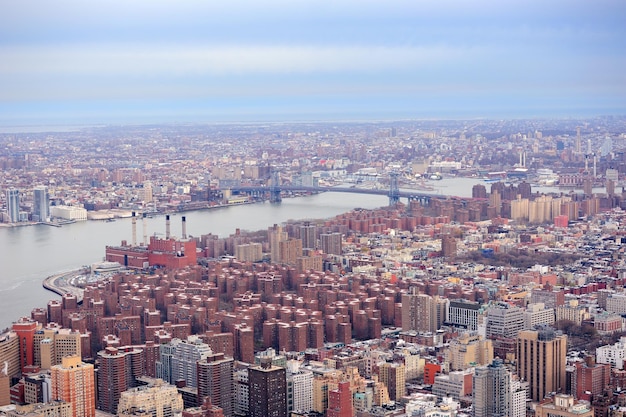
{"points": [[63, 283]]}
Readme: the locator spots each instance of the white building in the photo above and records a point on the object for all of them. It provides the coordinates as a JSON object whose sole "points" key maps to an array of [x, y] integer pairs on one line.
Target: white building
{"points": [[537, 313], [300, 385], [612, 354], [69, 212]]}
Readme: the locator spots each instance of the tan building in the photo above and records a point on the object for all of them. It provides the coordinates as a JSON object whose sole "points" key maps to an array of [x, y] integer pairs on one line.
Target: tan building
{"points": [[74, 382], [250, 252], [469, 349], [541, 358], [9, 354], [563, 405], [393, 375], [572, 311], [159, 400], [275, 236], [53, 409], [422, 313], [53, 344], [308, 263], [290, 251]]}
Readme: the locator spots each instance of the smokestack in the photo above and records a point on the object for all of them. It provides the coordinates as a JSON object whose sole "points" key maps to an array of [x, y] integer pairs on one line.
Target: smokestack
{"points": [[167, 226], [134, 230], [184, 227], [145, 230]]}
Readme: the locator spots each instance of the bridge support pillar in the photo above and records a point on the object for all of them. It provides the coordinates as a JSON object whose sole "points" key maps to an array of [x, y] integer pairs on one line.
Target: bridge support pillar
{"points": [[394, 191]]}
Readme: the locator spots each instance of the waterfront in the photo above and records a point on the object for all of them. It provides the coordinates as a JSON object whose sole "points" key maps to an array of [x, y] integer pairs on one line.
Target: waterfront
{"points": [[30, 254]]}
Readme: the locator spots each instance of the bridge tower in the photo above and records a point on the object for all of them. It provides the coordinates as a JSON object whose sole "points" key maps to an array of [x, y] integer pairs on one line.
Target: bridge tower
{"points": [[394, 191], [275, 188]]}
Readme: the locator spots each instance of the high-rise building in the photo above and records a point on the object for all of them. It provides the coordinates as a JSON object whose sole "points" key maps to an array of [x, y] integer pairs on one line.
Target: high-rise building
{"points": [[394, 377], [290, 251], [41, 204], [118, 371], [469, 349], [25, 329], [241, 391], [73, 382], [276, 235], [340, 401], [464, 314], [299, 388], [448, 246], [330, 243], [13, 204], [9, 354], [158, 399], [541, 359], [215, 380], [497, 392], [537, 314], [308, 235], [267, 395], [421, 312], [504, 320], [178, 360], [479, 191]]}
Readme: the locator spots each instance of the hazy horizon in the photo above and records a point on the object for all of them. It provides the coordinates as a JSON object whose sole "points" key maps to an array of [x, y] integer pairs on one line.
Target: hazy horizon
{"points": [[76, 63]]}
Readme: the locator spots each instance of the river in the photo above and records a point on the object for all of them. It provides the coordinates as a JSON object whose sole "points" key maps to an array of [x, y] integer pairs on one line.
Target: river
{"points": [[31, 253]]}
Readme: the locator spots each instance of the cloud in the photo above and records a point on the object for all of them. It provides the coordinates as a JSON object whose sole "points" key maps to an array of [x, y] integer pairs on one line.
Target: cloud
{"points": [[144, 59]]}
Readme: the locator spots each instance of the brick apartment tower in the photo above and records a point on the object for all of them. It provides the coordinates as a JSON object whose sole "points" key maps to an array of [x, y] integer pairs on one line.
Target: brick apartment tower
{"points": [[541, 358], [215, 381], [25, 329], [117, 371], [340, 401], [267, 390], [73, 382]]}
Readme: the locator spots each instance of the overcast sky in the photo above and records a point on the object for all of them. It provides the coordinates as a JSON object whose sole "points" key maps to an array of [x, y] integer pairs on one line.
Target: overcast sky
{"points": [[232, 60]]}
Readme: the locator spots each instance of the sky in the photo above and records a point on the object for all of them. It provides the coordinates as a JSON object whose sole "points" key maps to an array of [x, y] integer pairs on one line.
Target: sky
{"points": [[101, 62]]}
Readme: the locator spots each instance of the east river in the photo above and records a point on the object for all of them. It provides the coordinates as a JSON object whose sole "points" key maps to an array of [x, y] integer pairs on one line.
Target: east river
{"points": [[31, 253]]}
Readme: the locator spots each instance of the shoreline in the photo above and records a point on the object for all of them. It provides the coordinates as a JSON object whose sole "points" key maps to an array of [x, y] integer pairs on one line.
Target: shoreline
{"points": [[61, 284]]}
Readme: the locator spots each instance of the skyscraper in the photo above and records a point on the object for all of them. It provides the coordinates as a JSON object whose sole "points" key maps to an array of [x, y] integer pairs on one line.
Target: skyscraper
{"points": [[541, 358], [41, 204], [267, 390], [73, 382], [215, 380], [497, 392], [13, 205]]}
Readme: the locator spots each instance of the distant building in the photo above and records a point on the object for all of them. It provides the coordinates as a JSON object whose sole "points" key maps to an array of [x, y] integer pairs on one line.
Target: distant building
{"points": [[13, 204], [330, 243], [41, 204]]}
